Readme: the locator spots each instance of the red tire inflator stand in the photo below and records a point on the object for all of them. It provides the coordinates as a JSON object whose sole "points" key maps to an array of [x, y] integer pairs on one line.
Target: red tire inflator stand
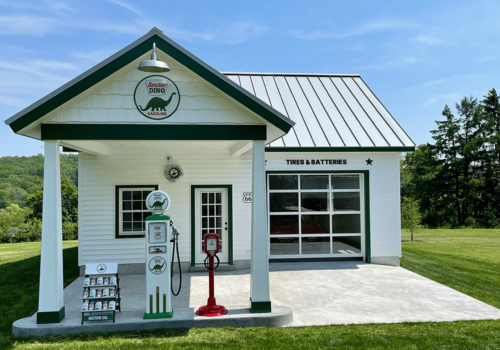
{"points": [[211, 249]]}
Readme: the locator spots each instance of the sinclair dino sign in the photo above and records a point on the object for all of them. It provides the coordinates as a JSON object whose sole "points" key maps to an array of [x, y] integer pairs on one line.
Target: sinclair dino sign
{"points": [[158, 202], [156, 97]]}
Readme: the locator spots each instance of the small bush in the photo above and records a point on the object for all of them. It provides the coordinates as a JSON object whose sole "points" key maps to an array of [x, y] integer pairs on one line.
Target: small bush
{"points": [[70, 231], [30, 231]]}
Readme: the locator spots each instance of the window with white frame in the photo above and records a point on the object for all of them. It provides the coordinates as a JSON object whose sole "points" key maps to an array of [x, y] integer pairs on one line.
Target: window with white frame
{"points": [[315, 215], [131, 210]]}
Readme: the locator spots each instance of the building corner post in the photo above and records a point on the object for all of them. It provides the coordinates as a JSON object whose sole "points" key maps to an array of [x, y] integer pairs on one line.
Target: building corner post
{"points": [[51, 298], [260, 299]]}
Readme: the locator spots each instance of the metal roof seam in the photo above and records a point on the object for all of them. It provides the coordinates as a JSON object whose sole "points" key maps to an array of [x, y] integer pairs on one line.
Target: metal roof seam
{"points": [[359, 103], [267, 92], [328, 114], [388, 112], [300, 112], [253, 87], [312, 110], [347, 104], [340, 113], [394, 132], [288, 114]]}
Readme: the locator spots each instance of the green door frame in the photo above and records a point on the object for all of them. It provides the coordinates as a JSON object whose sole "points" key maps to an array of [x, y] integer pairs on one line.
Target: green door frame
{"points": [[229, 214], [366, 185]]}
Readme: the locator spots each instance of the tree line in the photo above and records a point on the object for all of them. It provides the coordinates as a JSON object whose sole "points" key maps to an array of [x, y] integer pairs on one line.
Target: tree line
{"points": [[21, 197], [455, 180]]}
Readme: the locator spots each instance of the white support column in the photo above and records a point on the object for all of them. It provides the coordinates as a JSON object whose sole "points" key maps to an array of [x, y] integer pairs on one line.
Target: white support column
{"points": [[260, 299], [51, 299]]}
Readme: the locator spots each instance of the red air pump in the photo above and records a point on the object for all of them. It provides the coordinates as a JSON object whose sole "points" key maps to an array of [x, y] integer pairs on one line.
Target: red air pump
{"points": [[211, 249]]}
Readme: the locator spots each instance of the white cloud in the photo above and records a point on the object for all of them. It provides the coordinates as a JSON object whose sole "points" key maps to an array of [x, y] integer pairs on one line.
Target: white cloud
{"points": [[370, 27], [451, 96]]}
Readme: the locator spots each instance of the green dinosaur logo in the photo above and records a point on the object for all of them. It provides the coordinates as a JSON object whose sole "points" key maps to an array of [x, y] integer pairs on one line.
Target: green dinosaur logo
{"points": [[158, 204], [157, 97], [157, 265], [101, 268]]}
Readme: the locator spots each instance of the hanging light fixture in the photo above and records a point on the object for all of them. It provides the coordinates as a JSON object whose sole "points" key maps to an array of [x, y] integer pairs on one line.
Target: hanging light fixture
{"points": [[153, 65]]}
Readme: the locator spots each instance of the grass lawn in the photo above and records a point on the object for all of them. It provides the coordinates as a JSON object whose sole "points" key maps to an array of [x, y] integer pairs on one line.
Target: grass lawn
{"points": [[435, 254], [467, 260]]}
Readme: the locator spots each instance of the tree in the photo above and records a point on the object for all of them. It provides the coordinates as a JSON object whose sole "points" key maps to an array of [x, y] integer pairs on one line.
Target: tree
{"points": [[69, 202], [410, 215]]}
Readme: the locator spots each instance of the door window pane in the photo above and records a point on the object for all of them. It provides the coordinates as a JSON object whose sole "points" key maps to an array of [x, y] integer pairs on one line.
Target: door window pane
{"points": [[283, 182], [316, 245], [284, 202], [345, 201], [284, 224], [347, 245], [346, 223], [345, 182], [313, 182], [284, 246], [315, 224], [314, 201]]}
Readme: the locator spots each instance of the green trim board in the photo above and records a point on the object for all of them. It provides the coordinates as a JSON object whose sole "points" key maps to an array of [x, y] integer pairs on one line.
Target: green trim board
{"points": [[50, 316], [260, 307], [366, 185], [70, 150], [152, 132], [230, 220], [341, 149], [128, 55], [117, 211]]}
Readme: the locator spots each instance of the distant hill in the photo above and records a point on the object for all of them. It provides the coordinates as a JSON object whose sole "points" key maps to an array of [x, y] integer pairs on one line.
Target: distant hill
{"points": [[22, 176]]}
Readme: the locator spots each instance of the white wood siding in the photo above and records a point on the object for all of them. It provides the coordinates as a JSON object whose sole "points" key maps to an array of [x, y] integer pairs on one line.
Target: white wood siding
{"points": [[98, 177], [126, 166], [385, 215], [200, 102]]}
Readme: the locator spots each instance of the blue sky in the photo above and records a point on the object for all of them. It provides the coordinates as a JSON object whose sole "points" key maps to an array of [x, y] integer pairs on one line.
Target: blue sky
{"points": [[416, 56]]}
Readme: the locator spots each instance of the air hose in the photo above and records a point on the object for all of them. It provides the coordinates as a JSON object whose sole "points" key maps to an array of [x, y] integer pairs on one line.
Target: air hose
{"points": [[206, 263], [175, 241]]}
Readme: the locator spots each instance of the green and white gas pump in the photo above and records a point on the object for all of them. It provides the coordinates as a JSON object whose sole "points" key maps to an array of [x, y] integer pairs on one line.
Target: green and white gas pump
{"points": [[159, 271]]}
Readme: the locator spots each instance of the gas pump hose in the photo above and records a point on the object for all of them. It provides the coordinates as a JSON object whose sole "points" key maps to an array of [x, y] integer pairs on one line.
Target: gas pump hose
{"points": [[175, 242]]}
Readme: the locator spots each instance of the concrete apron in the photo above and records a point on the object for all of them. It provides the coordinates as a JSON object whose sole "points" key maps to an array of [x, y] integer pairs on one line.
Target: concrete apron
{"points": [[324, 293]]}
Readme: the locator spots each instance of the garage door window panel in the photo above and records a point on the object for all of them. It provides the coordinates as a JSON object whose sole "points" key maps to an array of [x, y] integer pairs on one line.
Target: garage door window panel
{"points": [[315, 215]]}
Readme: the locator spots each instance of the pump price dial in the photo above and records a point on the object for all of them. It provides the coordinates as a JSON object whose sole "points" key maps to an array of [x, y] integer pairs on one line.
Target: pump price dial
{"points": [[157, 233]]}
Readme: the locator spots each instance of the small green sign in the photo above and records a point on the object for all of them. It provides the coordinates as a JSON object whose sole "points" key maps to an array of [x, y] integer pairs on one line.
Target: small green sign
{"points": [[98, 318]]}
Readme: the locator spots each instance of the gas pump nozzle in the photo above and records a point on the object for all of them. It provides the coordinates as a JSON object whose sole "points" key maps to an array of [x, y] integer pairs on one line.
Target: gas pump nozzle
{"points": [[175, 233]]}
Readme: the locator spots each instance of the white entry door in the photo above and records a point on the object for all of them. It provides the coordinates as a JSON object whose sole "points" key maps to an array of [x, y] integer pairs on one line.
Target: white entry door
{"points": [[211, 216]]}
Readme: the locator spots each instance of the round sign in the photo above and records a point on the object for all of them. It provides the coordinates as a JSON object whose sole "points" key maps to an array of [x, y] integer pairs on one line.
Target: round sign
{"points": [[101, 268], [157, 97], [157, 265], [158, 202]]}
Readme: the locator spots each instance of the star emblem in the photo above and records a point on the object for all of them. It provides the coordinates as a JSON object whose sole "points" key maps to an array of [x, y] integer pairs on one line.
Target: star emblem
{"points": [[369, 161]]}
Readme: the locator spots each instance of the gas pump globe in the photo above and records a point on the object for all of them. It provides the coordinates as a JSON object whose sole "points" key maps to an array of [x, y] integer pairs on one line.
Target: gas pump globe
{"points": [[158, 269]]}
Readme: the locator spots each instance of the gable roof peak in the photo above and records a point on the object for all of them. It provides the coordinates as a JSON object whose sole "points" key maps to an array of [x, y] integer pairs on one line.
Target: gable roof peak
{"points": [[128, 54]]}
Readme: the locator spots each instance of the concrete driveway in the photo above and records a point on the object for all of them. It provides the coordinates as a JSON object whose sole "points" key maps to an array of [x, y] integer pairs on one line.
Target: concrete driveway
{"points": [[324, 293]]}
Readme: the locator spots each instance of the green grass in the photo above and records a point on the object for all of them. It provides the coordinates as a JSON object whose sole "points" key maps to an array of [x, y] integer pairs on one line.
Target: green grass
{"points": [[19, 264], [467, 260]]}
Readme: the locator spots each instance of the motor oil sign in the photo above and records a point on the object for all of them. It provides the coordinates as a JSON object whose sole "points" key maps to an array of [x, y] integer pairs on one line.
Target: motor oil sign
{"points": [[156, 97]]}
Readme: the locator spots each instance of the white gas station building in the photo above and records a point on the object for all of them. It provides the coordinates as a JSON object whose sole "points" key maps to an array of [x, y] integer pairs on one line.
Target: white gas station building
{"points": [[282, 166]]}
